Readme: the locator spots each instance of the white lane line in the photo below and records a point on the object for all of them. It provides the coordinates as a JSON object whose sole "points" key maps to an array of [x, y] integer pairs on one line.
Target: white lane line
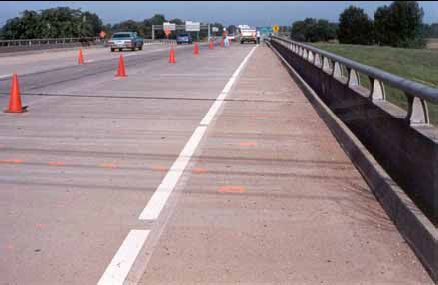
{"points": [[220, 99], [161, 195], [5, 76], [122, 262]]}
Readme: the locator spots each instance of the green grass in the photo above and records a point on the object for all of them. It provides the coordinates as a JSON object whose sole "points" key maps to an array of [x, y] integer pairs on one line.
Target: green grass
{"points": [[420, 65]]}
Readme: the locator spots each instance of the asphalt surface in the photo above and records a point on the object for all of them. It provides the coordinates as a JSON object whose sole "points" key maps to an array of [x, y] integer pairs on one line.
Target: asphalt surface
{"points": [[265, 193]]}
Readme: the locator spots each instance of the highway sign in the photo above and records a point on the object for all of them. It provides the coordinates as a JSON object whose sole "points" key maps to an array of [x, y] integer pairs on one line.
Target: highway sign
{"points": [[276, 28], [265, 30], [169, 26], [193, 26]]}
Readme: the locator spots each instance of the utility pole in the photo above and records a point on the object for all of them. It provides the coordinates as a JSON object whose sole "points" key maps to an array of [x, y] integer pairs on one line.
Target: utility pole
{"points": [[153, 32]]}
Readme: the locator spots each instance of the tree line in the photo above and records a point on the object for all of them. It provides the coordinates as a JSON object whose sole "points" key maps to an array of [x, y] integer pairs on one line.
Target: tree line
{"points": [[61, 22], [64, 22], [399, 24]]}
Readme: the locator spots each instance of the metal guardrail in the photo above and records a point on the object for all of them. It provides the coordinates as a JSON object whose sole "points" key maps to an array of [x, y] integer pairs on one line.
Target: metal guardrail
{"points": [[417, 94], [42, 42], [159, 41]]}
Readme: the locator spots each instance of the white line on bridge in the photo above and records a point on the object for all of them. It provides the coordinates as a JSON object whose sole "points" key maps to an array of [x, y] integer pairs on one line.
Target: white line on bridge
{"points": [[121, 263], [160, 196], [159, 199]]}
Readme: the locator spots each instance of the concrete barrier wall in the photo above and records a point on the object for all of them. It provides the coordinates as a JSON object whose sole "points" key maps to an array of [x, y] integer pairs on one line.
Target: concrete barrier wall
{"points": [[408, 154]]}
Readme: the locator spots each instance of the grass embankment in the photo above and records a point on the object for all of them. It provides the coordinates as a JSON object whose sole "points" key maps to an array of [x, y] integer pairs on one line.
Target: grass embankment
{"points": [[420, 65]]}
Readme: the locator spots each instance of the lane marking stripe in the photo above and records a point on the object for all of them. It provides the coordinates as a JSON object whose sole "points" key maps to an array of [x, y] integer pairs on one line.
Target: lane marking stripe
{"points": [[161, 195], [122, 262], [220, 99]]}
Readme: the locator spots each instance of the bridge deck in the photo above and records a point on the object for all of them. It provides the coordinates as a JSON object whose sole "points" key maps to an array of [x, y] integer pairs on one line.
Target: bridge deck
{"points": [[268, 195], [298, 210]]}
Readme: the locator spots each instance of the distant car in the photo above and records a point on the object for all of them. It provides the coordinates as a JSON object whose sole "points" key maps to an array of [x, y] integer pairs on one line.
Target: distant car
{"points": [[232, 37], [125, 40], [184, 39]]}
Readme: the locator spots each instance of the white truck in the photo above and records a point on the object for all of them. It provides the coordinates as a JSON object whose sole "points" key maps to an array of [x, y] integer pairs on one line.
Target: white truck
{"points": [[247, 34]]}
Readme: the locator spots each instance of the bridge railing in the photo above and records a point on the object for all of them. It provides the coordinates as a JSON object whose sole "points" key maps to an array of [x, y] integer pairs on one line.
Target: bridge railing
{"points": [[42, 42], [346, 70], [159, 41]]}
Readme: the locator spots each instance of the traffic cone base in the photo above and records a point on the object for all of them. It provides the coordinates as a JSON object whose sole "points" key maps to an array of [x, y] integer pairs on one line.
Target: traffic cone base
{"points": [[121, 69], [15, 99], [172, 55], [80, 57], [196, 49]]}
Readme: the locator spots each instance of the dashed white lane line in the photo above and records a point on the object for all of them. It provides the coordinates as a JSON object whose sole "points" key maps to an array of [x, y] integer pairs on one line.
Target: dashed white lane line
{"points": [[118, 269], [220, 99], [122, 262], [160, 196]]}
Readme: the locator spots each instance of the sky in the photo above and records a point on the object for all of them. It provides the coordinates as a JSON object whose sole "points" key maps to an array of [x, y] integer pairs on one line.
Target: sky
{"points": [[254, 13]]}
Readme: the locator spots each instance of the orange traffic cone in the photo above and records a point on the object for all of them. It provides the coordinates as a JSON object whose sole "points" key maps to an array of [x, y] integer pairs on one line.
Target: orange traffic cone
{"points": [[196, 49], [80, 57], [210, 46], [172, 55], [222, 42], [15, 100], [121, 69]]}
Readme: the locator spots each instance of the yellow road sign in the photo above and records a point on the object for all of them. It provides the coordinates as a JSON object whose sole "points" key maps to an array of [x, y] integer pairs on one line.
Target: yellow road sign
{"points": [[276, 28]]}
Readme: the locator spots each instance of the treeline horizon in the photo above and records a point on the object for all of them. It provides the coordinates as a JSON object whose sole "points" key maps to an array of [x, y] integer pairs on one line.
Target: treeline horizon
{"points": [[399, 24]]}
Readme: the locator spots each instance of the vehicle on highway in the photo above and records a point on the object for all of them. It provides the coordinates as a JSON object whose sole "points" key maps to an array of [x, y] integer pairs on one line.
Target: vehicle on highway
{"points": [[126, 40], [184, 39], [248, 34], [232, 37]]}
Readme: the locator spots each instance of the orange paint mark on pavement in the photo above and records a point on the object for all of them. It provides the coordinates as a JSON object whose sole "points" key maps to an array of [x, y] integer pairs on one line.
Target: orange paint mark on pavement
{"points": [[13, 161], [40, 226], [56, 163], [159, 168], [199, 170], [9, 247], [108, 165], [232, 189], [248, 144]]}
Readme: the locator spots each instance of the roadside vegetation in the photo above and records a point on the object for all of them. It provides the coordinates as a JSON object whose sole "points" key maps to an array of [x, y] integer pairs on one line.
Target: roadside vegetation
{"points": [[420, 65], [395, 40], [64, 22]]}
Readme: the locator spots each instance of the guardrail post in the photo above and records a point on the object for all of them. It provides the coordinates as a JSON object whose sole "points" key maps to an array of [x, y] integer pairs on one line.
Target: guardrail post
{"points": [[305, 54], [311, 57], [353, 77], [337, 70], [326, 65], [418, 114], [377, 91], [317, 61]]}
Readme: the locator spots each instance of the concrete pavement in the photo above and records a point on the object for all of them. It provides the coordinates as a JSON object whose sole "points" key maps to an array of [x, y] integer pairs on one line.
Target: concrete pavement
{"points": [[267, 197]]}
